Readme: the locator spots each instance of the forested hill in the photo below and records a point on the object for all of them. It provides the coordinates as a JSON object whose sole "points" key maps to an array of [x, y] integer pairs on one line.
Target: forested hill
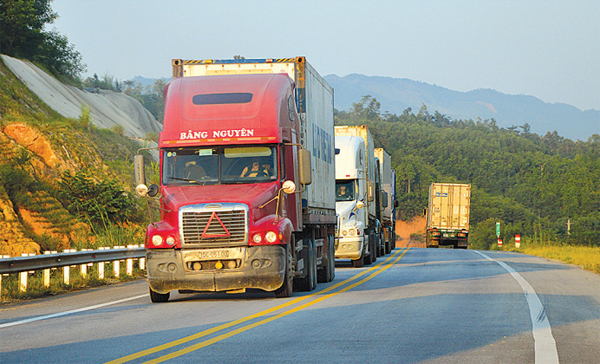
{"points": [[532, 184], [399, 94]]}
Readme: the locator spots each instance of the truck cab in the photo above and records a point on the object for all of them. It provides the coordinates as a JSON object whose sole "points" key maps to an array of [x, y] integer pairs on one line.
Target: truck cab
{"points": [[352, 199]]}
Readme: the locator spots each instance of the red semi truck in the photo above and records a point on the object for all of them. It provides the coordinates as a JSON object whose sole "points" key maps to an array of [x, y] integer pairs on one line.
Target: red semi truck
{"points": [[247, 180]]}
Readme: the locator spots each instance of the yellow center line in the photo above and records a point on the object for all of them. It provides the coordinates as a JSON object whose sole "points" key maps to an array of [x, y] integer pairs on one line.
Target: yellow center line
{"points": [[256, 315]]}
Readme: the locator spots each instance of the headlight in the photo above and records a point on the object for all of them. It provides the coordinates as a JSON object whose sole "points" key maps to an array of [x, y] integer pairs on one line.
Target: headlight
{"points": [[157, 240], [170, 240], [257, 238], [271, 237], [351, 230]]}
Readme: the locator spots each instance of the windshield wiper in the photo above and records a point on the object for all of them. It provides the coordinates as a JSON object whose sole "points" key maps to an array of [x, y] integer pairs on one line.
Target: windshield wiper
{"points": [[184, 179]]}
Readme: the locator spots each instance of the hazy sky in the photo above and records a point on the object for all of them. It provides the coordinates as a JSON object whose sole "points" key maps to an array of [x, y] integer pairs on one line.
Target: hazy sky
{"points": [[547, 49]]}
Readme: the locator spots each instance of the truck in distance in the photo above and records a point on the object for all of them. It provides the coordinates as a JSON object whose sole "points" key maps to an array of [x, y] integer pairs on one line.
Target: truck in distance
{"points": [[357, 235], [448, 215], [247, 179]]}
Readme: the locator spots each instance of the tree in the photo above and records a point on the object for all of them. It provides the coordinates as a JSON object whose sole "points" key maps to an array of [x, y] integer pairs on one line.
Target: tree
{"points": [[532, 184], [22, 35]]}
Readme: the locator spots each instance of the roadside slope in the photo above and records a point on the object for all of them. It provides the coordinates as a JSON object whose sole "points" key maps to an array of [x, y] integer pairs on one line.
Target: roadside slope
{"points": [[107, 108]]}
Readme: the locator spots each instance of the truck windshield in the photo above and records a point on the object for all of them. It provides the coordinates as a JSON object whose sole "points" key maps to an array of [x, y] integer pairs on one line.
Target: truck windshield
{"points": [[219, 165], [344, 190]]}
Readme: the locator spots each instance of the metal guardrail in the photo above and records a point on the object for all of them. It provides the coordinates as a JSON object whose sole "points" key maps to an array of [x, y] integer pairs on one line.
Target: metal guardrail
{"points": [[57, 260]]}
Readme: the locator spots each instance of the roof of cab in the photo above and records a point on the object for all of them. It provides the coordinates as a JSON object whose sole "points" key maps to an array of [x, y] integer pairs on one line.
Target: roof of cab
{"points": [[225, 102]]}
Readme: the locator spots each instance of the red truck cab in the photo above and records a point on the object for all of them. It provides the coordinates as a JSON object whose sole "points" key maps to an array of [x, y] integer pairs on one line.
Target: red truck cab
{"points": [[228, 145]]}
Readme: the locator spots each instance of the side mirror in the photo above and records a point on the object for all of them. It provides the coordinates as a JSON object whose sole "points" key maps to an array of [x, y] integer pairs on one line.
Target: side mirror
{"points": [[139, 170], [384, 199], [395, 203], [304, 168]]}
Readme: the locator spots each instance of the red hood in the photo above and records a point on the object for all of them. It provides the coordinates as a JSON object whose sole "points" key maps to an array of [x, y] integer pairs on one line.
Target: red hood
{"points": [[251, 194]]}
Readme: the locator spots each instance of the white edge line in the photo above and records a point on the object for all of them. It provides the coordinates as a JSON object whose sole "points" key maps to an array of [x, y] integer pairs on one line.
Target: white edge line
{"points": [[545, 345], [59, 314]]}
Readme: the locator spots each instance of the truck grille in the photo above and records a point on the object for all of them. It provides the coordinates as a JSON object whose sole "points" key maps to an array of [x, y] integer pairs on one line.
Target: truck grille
{"points": [[213, 225]]}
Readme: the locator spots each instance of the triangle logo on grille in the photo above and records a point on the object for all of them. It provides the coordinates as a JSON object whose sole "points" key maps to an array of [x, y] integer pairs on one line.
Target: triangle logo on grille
{"points": [[211, 235]]}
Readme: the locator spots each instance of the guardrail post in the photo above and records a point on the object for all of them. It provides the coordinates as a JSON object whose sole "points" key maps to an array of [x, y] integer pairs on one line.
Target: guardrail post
{"points": [[101, 266], [46, 274], [141, 261], [66, 270], [83, 267], [129, 262], [23, 277], [5, 257], [116, 265]]}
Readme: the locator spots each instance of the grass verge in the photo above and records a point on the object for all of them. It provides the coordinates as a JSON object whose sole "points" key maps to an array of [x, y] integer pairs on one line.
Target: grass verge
{"points": [[586, 257]]}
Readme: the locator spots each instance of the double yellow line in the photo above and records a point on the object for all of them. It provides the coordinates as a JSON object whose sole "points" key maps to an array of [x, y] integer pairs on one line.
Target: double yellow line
{"points": [[322, 296]]}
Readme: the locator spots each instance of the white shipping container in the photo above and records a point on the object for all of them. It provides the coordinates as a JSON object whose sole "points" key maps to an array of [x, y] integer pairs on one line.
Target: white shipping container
{"points": [[449, 206]]}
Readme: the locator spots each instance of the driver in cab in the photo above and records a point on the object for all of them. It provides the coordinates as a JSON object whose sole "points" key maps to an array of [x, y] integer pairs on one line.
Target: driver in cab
{"points": [[343, 193], [257, 169]]}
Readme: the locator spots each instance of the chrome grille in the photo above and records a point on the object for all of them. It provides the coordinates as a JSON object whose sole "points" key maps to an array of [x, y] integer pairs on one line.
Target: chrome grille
{"points": [[225, 225]]}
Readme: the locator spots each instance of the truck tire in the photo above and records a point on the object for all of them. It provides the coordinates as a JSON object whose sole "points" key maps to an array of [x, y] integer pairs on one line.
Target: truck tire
{"points": [[309, 282], [288, 282], [327, 273], [313, 278], [388, 244], [360, 262], [156, 297], [369, 257], [332, 261]]}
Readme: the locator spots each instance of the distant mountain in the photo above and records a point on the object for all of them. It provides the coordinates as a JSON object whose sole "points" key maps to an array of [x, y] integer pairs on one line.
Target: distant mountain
{"points": [[148, 81], [398, 94]]}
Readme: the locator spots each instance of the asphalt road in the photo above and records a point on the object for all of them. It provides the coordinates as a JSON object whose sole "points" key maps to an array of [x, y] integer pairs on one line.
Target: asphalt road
{"points": [[412, 306]]}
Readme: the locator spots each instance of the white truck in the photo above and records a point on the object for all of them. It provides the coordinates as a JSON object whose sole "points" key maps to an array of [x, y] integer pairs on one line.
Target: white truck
{"points": [[387, 201], [357, 236]]}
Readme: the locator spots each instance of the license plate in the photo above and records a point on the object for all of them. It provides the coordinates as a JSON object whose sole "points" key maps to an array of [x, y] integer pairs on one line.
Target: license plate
{"points": [[213, 254]]}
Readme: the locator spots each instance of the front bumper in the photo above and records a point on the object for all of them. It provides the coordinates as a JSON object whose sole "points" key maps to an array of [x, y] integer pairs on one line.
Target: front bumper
{"points": [[349, 247], [261, 267]]}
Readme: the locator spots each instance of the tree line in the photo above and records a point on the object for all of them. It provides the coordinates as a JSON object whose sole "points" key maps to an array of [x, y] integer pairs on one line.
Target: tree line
{"points": [[22, 35], [545, 187]]}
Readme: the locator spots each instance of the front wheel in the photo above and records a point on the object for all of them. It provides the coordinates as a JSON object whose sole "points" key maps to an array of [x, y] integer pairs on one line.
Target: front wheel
{"points": [[288, 282], [158, 297]]}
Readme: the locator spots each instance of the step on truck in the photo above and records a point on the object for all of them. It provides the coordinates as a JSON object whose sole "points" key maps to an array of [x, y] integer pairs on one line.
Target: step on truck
{"points": [[388, 203], [357, 234], [247, 183], [448, 215]]}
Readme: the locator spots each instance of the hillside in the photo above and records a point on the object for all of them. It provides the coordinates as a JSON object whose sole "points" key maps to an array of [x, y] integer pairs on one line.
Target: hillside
{"points": [[107, 108], [542, 187], [65, 182], [396, 95]]}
